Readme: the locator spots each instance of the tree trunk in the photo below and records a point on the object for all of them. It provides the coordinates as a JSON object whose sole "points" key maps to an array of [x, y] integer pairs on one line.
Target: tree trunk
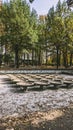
{"points": [[27, 59], [35, 57], [46, 57], [57, 57], [24, 59], [39, 57], [16, 56], [32, 57], [70, 59], [65, 57]]}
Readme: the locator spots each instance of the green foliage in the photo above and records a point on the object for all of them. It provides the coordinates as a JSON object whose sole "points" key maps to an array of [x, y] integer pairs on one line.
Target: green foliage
{"points": [[47, 37], [19, 33], [59, 24]]}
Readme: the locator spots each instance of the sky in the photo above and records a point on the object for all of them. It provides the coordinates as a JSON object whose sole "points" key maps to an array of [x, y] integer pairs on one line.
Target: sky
{"points": [[42, 6]]}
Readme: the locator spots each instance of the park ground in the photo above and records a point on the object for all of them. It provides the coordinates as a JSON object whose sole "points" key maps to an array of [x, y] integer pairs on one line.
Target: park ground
{"points": [[52, 119], [57, 119]]}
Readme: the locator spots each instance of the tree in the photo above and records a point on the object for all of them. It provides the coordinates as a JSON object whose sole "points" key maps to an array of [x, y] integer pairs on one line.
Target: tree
{"points": [[34, 35], [70, 3], [41, 38], [31, 1], [16, 17], [68, 38], [55, 25]]}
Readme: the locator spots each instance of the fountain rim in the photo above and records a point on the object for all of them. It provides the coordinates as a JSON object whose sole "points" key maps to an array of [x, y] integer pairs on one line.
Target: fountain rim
{"points": [[38, 71]]}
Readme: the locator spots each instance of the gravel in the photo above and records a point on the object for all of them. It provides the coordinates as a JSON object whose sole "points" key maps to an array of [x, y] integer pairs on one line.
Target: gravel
{"points": [[12, 102]]}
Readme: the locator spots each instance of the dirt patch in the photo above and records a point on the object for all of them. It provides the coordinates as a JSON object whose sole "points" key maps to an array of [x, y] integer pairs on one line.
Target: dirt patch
{"points": [[46, 116], [58, 119]]}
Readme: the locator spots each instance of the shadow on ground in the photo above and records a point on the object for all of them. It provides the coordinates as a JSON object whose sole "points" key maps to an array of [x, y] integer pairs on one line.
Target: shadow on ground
{"points": [[59, 119]]}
